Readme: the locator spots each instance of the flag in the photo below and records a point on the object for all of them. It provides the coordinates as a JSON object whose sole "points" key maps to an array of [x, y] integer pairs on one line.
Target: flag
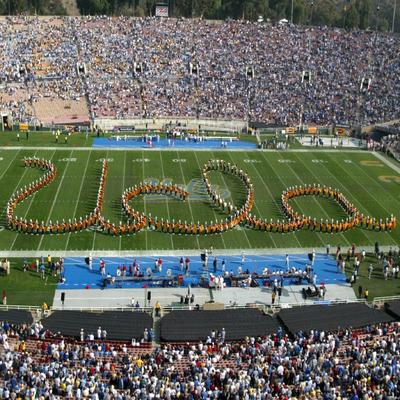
{"points": [[161, 11]]}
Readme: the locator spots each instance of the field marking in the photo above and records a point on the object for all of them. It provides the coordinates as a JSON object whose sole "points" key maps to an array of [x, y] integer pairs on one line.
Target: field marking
{"points": [[389, 178], [101, 160], [144, 202], [31, 199], [72, 159], [188, 200], [154, 149], [371, 163], [375, 181], [270, 193], [95, 230], [251, 161], [2, 175], [223, 179], [79, 196], [9, 165], [122, 191], [388, 162], [213, 210], [318, 203], [368, 192], [141, 160], [179, 160], [16, 187], [54, 201], [169, 216], [355, 199]]}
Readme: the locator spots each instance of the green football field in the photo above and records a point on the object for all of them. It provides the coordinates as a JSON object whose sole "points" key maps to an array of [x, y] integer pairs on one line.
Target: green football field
{"points": [[364, 179]]}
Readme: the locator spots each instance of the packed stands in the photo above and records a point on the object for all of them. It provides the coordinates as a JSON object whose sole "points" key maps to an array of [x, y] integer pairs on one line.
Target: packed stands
{"points": [[119, 68], [346, 363]]}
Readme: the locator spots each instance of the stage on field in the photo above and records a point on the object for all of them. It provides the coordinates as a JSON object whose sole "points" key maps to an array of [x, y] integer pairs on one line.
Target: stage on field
{"points": [[139, 143], [79, 276]]}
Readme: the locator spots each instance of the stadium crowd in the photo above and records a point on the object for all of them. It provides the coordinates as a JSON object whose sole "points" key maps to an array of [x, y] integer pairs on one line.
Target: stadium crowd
{"points": [[346, 364], [390, 144], [139, 67]]}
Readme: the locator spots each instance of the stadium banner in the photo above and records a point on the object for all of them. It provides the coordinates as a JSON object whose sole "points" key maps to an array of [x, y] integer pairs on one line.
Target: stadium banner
{"points": [[162, 10], [312, 130], [23, 127], [342, 130], [290, 131]]}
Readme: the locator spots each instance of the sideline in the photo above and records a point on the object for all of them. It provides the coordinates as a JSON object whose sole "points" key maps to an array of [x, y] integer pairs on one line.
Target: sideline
{"points": [[179, 252], [388, 162], [183, 149]]}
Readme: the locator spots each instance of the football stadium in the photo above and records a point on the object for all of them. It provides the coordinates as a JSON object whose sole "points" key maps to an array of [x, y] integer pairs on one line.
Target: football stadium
{"points": [[200, 200]]}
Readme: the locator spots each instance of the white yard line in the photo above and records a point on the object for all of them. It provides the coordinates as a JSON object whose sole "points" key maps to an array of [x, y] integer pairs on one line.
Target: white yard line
{"points": [[389, 163], [244, 229], [144, 201], [370, 195], [169, 216], [315, 199], [279, 177], [380, 186], [95, 227], [16, 187], [272, 196], [215, 214], [122, 191], [340, 184], [79, 196], [2, 175], [9, 165], [55, 198], [188, 200]]}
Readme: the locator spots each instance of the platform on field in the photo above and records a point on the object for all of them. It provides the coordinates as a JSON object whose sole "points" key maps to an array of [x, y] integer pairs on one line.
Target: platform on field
{"points": [[79, 276]]}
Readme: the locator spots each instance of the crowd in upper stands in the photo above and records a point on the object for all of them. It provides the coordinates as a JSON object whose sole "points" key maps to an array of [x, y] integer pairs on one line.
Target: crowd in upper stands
{"points": [[346, 364], [140, 67]]}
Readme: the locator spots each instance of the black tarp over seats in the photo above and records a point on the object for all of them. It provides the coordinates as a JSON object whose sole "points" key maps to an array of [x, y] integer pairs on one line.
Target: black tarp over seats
{"points": [[16, 317], [119, 325], [393, 308], [330, 317], [197, 325]]}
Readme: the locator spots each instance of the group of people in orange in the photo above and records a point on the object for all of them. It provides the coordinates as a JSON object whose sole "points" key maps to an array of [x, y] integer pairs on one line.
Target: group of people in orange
{"points": [[235, 215], [36, 227], [298, 221], [138, 221]]}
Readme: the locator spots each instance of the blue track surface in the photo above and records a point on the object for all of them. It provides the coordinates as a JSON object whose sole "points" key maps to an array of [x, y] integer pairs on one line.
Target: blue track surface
{"points": [[78, 276], [177, 144]]}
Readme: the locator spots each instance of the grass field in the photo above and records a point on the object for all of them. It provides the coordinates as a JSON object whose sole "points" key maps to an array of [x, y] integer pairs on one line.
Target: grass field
{"points": [[27, 288], [364, 179]]}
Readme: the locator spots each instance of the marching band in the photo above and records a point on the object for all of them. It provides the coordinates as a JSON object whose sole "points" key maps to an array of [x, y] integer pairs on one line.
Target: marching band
{"points": [[235, 216]]}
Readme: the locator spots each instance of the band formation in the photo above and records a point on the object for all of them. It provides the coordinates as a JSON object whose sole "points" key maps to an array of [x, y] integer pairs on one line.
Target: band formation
{"points": [[137, 221]]}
